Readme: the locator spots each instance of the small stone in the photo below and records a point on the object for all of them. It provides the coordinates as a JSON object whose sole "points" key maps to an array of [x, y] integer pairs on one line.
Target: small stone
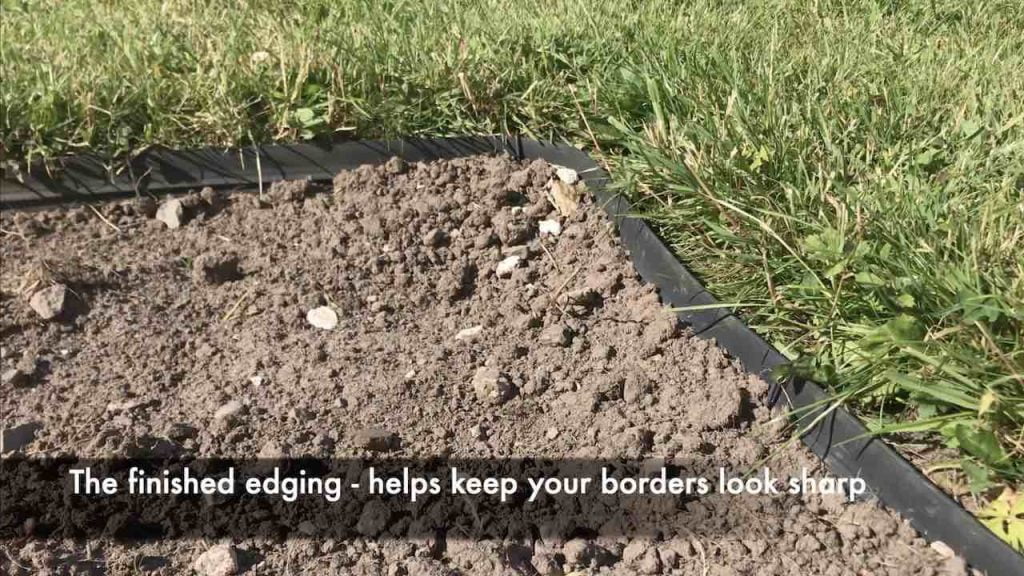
{"points": [[491, 386], [395, 165], [17, 437], [584, 553], [435, 238], [323, 318], [229, 411], [506, 266], [376, 439], [257, 380], [552, 433], [410, 374], [51, 302], [171, 213], [477, 432], [650, 563], [943, 549], [221, 560], [216, 268], [15, 377], [634, 551], [209, 196], [549, 228], [470, 334], [556, 335], [567, 175]]}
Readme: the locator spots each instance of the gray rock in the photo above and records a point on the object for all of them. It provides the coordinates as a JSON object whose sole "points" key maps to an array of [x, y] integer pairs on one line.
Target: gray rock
{"points": [[492, 387], [171, 213], [51, 302], [221, 560], [556, 335]]}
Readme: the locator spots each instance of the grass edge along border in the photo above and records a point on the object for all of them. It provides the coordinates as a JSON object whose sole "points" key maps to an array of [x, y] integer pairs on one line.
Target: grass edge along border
{"points": [[838, 438]]}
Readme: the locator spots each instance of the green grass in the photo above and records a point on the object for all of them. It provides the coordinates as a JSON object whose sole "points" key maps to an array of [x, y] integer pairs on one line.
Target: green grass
{"points": [[855, 168]]}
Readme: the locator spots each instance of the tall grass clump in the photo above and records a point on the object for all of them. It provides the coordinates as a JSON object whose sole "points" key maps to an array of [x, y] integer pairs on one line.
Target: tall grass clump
{"points": [[853, 168]]}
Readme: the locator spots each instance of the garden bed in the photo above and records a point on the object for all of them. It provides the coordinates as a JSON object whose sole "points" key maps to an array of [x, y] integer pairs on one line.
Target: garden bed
{"points": [[431, 309]]}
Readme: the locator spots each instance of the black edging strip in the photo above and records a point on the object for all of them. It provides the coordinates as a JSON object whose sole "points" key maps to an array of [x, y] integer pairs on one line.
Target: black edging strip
{"points": [[839, 439]]}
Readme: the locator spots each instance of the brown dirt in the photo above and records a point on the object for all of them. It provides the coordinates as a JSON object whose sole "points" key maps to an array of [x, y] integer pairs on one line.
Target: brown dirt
{"points": [[198, 338]]}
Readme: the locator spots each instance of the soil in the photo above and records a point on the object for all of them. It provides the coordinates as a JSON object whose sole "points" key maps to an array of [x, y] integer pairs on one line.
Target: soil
{"points": [[452, 327]]}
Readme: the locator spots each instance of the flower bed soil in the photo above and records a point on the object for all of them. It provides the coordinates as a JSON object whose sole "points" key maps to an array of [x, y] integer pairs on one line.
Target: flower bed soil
{"points": [[200, 338]]}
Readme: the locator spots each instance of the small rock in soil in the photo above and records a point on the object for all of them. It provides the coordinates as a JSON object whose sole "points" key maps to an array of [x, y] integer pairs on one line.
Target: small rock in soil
{"points": [[376, 439], [257, 380], [209, 196], [585, 553], [221, 560], [567, 175], [16, 377], [491, 386], [51, 302], [556, 335], [323, 318], [506, 266], [17, 437], [470, 334], [395, 165], [171, 213], [549, 228], [229, 411], [216, 268], [943, 549]]}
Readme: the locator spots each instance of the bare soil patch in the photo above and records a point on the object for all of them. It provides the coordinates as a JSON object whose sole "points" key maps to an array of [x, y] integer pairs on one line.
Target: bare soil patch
{"points": [[443, 309]]}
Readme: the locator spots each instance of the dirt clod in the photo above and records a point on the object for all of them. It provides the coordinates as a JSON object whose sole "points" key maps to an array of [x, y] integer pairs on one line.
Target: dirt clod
{"points": [[287, 191], [376, 439], [216, 268]]}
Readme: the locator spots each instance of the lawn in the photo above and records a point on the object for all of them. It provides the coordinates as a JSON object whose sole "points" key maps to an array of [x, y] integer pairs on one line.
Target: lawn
{"points": [[849, 173]]}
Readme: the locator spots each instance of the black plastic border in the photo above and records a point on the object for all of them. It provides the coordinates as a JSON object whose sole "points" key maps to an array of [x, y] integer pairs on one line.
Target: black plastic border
{"points": [[839, 439]]}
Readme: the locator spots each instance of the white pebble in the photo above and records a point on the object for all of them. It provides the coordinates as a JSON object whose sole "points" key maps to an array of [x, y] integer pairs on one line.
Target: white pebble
{"points": [[323, 318], [567, 175], [506, 266], [470, 334], [549, 228]]}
